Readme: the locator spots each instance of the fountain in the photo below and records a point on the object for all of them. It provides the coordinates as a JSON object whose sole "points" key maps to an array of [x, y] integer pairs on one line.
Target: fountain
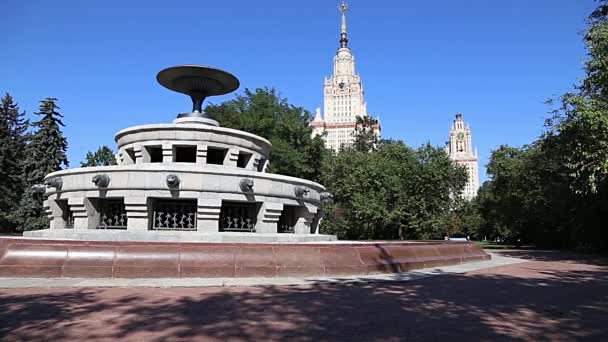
{"points": [[186, 181], [193, 199]]}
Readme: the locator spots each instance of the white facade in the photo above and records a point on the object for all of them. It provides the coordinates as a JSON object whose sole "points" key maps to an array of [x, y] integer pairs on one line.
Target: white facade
{"points": [[460, 149], [343, 98]]}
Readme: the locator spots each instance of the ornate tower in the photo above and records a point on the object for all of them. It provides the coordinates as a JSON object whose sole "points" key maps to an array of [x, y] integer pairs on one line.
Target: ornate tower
{"points": [[460, 149], [343, 97]]}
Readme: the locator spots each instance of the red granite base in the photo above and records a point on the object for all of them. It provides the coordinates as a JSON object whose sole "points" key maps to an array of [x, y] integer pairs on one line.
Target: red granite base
{"points": [[92, 259]]}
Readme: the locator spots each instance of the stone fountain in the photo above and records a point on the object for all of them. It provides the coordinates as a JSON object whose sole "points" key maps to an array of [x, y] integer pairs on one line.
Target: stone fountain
{"points": [[190, 180], [192, 199]]}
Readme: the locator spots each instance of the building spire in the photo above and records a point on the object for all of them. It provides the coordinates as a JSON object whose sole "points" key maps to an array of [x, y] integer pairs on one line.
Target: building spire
{"points": [[343, 39]]}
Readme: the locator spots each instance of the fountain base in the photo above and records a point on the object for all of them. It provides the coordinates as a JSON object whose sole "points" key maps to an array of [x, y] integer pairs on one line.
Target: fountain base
{"points": [[42, 258]]}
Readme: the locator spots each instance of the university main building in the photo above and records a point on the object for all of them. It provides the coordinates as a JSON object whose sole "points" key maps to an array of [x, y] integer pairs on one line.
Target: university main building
{"points": [[343, 98], [344, 102]]}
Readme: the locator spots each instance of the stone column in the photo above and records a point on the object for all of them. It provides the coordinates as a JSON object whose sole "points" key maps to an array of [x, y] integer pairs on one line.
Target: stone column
{"points": [[255, 161], [266, 165], [137, 149], [137, 213], [306, 215], [268, 217], [145, 155], [201, 154], [55, 214], [85, 215], [167, 153], [123, 158], [316, 223], [208, 215], [232, 157]]}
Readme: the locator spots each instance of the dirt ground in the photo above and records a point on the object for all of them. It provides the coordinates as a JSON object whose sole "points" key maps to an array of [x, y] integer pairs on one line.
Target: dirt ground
{"points": [[553, 296]]}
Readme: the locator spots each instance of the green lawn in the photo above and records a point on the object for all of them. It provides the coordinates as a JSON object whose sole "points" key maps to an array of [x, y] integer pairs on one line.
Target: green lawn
{"points": [[495, 245]]}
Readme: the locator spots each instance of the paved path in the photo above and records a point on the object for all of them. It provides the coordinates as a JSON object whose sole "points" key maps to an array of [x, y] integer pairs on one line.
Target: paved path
{"points": [[550, 297]]}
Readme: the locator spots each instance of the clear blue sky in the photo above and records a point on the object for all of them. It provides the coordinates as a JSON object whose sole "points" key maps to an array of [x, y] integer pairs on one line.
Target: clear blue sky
{"points": [[420, 61]]}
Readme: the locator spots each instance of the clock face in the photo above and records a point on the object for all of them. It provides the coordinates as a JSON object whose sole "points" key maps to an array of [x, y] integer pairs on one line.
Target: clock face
{"points": [[460, 136]]}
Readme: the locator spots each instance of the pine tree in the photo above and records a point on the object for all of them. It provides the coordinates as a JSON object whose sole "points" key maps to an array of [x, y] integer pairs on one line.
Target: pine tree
{"points": [[13, 140], [104, 156], [46, 153]]}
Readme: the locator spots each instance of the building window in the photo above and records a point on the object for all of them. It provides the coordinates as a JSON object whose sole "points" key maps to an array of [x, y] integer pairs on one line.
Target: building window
{"points": [[130, 154], [238, 216], [243, 159], [66, 213], [288, 219], [184, 154], [216, 155], [155, 153], [174, 215], [112, 213]]}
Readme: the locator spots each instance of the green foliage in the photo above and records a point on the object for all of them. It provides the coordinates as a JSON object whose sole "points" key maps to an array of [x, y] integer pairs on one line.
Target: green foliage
{"points": [[265, 113], [13, 141], [577, 132], [464, 220], [578, 136], [104, 156], [533, 197], [554, 192], [45, 153], [392, 192], [366, 138], [47, 150], [514, 191], [382, 190]]}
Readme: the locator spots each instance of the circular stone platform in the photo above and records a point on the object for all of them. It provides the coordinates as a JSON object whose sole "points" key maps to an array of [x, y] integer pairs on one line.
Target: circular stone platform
{"points": [[42, 258]]}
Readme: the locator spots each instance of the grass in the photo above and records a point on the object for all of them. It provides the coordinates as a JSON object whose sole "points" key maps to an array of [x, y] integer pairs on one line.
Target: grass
{"points": [[495, 245]]}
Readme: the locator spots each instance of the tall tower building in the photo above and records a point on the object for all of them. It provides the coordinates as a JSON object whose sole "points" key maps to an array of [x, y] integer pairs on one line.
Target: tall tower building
{"points": [[460, 149], [343, 98]]}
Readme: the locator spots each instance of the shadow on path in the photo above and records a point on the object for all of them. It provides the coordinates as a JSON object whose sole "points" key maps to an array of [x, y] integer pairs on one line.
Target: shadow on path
{"points": [[536, 300]]}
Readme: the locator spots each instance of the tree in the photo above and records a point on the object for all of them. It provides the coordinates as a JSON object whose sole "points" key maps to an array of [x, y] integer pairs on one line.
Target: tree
{"points": [[104, 156], [554, 191], [13, 141], [394, 192], [46, 153], [366, 138], [578, 128], [509, 191], [528, 198], [265, 113], [577, 139], [367, 192], [470, 219], [437, 184], [490, 227]]}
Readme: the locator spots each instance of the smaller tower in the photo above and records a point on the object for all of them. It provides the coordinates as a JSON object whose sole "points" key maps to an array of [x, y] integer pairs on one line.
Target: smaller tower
{"points": [[317, 124], [460, 149]]}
